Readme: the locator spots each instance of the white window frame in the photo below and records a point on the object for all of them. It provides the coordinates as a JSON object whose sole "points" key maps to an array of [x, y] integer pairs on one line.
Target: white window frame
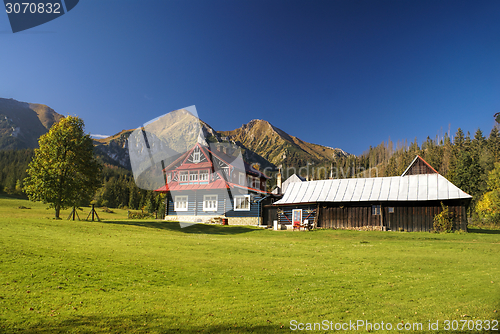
{"points": [[183, 176], [225, 171], [239, 199], [193, 176], [169, 177], [257, 183], [210, 202], [241, 179], [181, 203], [204, 175], [196, 157]]}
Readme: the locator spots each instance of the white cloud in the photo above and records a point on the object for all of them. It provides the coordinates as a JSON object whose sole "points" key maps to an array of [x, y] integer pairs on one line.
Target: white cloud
{"points": [[98, 136]]}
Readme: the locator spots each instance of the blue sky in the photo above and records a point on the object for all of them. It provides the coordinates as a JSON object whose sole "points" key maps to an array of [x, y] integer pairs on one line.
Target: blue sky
{"points": [[346, 74]]}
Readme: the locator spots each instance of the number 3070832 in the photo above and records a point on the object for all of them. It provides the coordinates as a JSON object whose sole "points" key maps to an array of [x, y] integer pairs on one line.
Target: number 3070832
{"points": [[471, 325], [33, 8]]}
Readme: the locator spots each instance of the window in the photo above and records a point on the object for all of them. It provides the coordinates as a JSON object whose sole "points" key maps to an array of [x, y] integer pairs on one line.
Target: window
{"points": [[193, 176], [390, 209], [242, 203], [257, 183], [241, 179], [204, 175], [196, 156], [225, 170], [169, 177], [210, 203], [181, 203], [183, 176], [376, 210]]}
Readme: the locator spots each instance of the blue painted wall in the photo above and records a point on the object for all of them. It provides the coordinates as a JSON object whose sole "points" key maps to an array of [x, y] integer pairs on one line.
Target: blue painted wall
{"points": [[195, 205]]}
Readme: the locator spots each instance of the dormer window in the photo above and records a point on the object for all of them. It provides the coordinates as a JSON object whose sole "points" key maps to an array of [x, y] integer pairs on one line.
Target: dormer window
{"points": [[225, 170], [196, 157]]}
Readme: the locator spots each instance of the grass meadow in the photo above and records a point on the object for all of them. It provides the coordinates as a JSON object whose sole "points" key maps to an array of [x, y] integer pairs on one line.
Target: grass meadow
{"points": [[147, 276]]}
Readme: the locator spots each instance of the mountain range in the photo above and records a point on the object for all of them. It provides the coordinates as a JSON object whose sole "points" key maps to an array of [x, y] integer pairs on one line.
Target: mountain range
{"points": [[21, 124]]}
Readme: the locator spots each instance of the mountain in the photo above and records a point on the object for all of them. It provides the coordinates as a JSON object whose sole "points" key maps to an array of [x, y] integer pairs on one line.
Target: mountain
{"points": [[21, 123], [175, 131], [278, 147], [113, 150]]}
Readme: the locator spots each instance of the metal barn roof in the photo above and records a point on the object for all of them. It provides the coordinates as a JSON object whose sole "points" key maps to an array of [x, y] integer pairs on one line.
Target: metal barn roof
{"points": [[422, 187]]}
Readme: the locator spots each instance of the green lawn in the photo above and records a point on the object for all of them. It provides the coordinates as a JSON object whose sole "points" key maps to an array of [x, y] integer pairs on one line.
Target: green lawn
{"points": [[125, 276]]}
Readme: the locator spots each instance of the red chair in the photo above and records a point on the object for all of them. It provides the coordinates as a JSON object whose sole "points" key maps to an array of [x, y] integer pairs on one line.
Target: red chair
{"points": [[296, 225]]}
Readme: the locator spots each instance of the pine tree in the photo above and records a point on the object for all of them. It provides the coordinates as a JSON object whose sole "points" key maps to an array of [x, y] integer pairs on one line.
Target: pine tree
{"points": [[459, 138], [493, 144]]}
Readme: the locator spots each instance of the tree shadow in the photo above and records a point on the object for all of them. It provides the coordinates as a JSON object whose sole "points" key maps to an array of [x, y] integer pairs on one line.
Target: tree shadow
{"points": [[145, 323], [483, 231], [193, 229]]}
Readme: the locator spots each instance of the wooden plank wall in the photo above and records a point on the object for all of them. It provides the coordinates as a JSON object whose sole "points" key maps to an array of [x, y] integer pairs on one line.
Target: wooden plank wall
{"points": [[347, 217], [411, 217], [420, 167], [421, 218], [286, 216]]}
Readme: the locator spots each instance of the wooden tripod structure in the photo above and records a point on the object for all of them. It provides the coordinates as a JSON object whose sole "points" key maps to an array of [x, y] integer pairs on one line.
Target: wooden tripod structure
{"points": [[73, 214], [93, 213]]}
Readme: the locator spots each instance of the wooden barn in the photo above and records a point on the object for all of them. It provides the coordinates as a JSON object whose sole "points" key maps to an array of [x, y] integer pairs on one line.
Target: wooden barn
{"points": [[401, 203]]}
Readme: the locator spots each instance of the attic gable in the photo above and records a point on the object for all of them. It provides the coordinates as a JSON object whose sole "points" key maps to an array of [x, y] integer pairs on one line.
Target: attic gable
{"points": [[419, 166], [195, 156]]}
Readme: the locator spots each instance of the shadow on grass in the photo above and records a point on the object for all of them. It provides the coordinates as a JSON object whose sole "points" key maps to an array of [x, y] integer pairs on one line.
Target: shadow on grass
{"points": [[146, 323], [196, 228], [481, 230]]}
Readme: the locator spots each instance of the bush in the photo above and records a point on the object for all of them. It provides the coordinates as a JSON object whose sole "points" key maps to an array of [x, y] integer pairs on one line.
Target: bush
{"points": [[488, 208], [140, 215], [106, 209], [444, 222]]}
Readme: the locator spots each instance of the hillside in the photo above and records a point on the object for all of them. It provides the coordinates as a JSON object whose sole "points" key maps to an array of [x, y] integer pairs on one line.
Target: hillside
{"points": [[273, 144], [21, 123]]}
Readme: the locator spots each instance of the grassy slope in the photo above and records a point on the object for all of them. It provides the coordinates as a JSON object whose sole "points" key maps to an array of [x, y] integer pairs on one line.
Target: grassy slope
{"points": [[153, 277]]}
